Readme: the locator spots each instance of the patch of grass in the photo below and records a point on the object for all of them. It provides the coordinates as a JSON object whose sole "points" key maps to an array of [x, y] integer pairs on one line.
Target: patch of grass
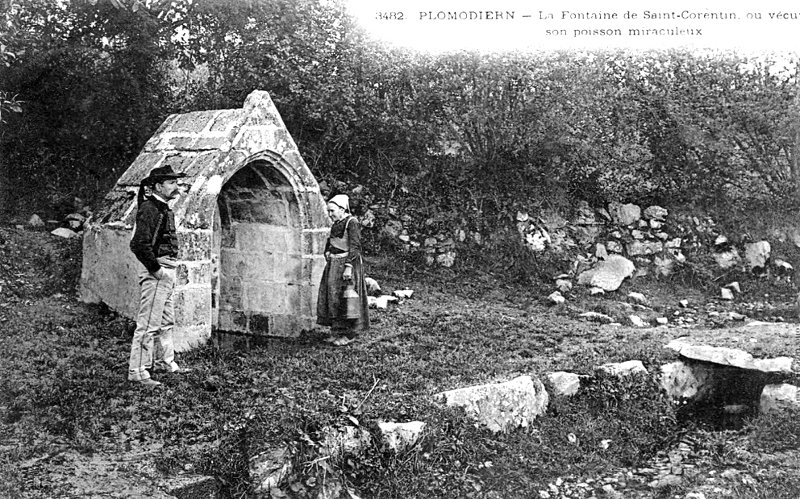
{"points": [[775, 432]]}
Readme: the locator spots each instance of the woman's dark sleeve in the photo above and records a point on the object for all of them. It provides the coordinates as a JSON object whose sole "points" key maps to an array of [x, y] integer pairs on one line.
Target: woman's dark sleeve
{"points": [[354, 240]]}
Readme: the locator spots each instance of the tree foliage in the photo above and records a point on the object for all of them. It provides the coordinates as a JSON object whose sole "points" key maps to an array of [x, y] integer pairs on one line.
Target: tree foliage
{"points": [[480, 134]]}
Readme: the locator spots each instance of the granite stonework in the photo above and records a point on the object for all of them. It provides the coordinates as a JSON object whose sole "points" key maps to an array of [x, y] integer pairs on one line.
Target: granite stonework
{"points": [[251, 226]]}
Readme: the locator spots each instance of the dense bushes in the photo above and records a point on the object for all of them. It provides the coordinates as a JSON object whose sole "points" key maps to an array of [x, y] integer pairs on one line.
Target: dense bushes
{"points": [[477, 134]]}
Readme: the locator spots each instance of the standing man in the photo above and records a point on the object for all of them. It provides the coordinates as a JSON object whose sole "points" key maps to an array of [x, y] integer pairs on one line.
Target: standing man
{"points": [[155, 244]]}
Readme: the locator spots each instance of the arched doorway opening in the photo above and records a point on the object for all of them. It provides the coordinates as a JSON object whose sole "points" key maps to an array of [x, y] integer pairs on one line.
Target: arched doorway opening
{"points": [[257, 259]]}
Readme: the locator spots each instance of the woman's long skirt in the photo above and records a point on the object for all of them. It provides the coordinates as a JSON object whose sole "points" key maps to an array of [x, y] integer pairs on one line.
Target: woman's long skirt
{"points": [[331, 308]]}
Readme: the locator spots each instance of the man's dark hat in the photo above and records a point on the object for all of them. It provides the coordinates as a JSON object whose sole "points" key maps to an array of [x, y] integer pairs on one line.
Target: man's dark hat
{"points": [[161, 174]]}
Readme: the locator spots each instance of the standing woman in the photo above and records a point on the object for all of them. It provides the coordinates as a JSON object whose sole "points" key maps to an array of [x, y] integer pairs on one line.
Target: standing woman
{"points": [[344, 266]]}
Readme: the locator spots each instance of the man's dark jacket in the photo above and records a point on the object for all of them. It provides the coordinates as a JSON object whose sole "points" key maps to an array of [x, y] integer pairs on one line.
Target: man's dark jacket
{"points": [[155, 235]]}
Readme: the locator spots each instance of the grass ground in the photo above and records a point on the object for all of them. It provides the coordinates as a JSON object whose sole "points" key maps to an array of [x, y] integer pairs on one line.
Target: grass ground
{"points": [[64, 399]]}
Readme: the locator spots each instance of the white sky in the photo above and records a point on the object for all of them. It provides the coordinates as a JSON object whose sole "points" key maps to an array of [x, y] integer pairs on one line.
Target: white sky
{"points": [[420, 29]]}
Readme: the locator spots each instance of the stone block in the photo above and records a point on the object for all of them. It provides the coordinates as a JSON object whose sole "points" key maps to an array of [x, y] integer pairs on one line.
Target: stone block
{"points": [[200, 274], [620, 369], [286, 325], [259, 324], [231, 292], [308, 300], [203, 163], [192, 306], [232, 320], [502, 406], [318, 213], [141, 166], [225, 120], [780, 398], [194, 245], [189, 337], [179, 142], [565, 384], [288, 269], [265, 297], [399, 437], [228, 237], [191, 122], [212, 143], [181, 275]]}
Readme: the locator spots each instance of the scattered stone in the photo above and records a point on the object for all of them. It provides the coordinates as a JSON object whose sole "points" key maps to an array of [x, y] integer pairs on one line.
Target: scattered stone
{"points": [[556, 298], [757, 254], [64, 232], [564, 285], [734, 286], [624, 214], [269, 469], [735, 316], [655, 224], [726, 294], [403, 293], [782, 266], [637, 298], [655, 213], [382, 302], [664, 265], [564, 383], [682, 381], [373, 288], [502, 406], [596, 317], [614, 247], [446, 259], [596, 291], [600, 251], [720, 240], [398, 437], [673, 243], [778, 398], [608, 274], [392, 229], [623, 368], [683, 303], [35, 221], [735, 408], [662, 321], [637, 248], [341, 441], [731, 357], [727, 259], [637, 234], [637, 321]]}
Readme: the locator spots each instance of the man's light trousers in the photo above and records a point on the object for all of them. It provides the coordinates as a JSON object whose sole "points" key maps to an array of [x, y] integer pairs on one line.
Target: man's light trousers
{"points": [[154, 322]]}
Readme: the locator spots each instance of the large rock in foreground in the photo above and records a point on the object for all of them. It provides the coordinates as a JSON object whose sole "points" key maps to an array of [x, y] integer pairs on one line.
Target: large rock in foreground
{"points": [[502, 406], [608, 274]]}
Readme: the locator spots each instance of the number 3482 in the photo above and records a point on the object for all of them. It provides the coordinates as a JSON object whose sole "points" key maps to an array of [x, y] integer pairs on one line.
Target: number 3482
{"points": [[389, 16]]}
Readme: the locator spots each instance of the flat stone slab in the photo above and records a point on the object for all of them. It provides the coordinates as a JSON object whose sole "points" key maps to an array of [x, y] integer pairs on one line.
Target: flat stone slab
{"points": [[760, 339], [733, 357]]}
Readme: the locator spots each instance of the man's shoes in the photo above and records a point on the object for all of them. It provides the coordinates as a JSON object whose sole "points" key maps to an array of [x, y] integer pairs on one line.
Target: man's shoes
{"points": [[143, 379], [149, 382], [171, 367]]}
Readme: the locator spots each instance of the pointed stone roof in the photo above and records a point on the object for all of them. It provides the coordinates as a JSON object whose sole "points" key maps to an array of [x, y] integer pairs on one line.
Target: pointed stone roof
{"points": [[208, 146]]}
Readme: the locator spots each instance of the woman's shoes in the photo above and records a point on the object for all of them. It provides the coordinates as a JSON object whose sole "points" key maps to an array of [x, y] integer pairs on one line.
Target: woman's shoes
{"points": [[343, 341], [339, 341]]}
